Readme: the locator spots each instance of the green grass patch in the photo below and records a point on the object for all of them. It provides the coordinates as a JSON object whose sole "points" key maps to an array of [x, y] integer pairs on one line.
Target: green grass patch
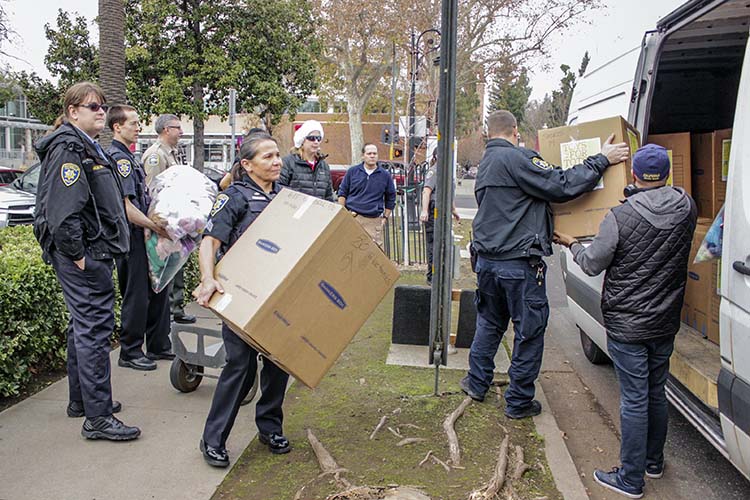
{"points": [[345, 408]]}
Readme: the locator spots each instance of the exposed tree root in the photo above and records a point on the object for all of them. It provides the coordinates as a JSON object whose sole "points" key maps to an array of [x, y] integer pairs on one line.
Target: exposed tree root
{"points": [[450, 431], [440, 462], [495, 484], [426, 458], [521, 466], [379, 426], [406, 441]]}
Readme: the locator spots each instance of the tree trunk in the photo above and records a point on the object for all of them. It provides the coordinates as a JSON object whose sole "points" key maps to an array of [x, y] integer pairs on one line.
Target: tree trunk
{"points": [[355, 107], [198, 126], [111, 56]]}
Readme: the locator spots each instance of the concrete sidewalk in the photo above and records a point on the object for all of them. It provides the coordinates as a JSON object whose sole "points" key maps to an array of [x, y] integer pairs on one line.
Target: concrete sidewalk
{"points": [[43, 456]]}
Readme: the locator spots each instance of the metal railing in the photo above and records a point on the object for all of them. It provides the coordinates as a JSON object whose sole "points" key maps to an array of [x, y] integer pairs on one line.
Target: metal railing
{"points": [[404, 238]]}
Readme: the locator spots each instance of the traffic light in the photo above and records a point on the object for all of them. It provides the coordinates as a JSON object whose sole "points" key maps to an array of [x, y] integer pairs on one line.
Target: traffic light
{"points": [[385, 135], [398, 152]]}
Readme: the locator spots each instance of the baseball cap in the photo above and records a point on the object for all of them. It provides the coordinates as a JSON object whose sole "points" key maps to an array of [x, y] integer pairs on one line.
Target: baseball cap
{"points": [[651, 163]]}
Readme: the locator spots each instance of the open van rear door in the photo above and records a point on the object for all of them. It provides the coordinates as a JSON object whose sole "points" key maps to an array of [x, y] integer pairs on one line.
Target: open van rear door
{"points": [[734, 316]]}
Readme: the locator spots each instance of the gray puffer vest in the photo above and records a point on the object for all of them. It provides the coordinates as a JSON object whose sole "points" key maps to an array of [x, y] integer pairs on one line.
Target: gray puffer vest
{"points": [[644, 286]]}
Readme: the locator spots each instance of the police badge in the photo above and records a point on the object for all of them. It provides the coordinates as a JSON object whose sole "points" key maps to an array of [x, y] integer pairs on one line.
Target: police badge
{"points": [[538, 162], [70, 173], [221, 200], [124, 167]]}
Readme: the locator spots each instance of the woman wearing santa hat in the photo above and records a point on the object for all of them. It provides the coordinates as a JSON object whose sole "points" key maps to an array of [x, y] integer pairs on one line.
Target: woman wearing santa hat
{"points": [[305, 169]]}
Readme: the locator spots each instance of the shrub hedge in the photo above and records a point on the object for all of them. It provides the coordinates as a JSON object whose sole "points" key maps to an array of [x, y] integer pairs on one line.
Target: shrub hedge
{"points": [[33, 316]]}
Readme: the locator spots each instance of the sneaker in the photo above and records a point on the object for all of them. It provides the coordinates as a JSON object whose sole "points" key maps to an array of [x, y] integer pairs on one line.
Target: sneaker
{"points": [[534, 409], [612, 481], [75, 408], [655, 471], [276, 443], [216, 457], [108, 427], [464, 385]]}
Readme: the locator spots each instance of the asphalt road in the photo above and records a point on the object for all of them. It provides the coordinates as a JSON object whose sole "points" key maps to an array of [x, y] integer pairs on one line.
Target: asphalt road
{"points": [[585, 401]]}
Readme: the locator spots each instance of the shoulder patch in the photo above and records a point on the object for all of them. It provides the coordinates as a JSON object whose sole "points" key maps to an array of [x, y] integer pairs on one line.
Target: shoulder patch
{"points": [[538, 162], [430, 173], [70, 173], [124, 167], [153, 160], [220, 202]]}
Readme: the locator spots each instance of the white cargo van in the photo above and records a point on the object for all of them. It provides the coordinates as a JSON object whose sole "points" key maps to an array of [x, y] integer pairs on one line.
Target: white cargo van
{"points": [[691, 74]]}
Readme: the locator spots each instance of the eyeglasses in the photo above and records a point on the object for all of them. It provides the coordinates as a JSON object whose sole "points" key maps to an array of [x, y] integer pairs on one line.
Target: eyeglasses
{"points": [[174, 126], [314, 138], [95, 106]]}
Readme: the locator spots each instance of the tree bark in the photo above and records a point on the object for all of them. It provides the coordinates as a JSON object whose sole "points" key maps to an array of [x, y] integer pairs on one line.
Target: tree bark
{"points": [[355, 107], [198, 127], [111, 56]]}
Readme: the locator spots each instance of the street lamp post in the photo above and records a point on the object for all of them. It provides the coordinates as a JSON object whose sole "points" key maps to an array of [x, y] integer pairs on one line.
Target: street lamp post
{"points": [[417, 57]]}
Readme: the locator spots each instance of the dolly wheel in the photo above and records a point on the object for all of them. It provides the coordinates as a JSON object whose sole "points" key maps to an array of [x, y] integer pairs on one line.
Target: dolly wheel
{"points": [[185, 377]]}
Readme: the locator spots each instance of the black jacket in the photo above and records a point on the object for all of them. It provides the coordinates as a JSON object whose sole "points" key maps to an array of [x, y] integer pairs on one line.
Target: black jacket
{"points": [[513, 189], [297, 174], [79, 203], [643, 244]]}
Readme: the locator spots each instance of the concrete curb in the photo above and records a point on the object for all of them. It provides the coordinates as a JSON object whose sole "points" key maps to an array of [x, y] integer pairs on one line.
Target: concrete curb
{"points": [[561, 465]]}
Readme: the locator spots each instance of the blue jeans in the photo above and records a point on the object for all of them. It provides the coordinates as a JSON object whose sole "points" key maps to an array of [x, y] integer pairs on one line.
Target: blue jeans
{"points": [[642, 370], [509, 290]]}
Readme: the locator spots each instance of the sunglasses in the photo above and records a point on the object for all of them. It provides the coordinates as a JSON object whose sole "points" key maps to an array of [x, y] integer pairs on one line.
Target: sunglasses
{"points": [[95, 106], [314, 138]]}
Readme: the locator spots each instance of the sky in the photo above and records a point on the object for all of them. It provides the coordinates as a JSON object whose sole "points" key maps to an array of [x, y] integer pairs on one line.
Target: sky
{"points": [[609, 31]]}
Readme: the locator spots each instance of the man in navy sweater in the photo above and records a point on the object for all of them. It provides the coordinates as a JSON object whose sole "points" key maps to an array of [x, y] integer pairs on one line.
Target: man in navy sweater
{"points": [[368, 192]]}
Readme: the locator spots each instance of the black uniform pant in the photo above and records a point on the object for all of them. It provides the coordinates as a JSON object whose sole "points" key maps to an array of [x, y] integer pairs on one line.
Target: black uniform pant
{"points": [[144, 313], [430, 243], [177, 293], [234, 384], [90, 297]]}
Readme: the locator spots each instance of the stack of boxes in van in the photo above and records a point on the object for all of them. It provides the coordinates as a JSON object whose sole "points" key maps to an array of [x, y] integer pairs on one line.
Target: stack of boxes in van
{"points": [[699, 165], [710, 167]]}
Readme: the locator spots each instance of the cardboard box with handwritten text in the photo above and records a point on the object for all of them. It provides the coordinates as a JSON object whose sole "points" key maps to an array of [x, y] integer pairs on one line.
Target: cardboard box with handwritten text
{"points": [[569, 146], [300, 282]]}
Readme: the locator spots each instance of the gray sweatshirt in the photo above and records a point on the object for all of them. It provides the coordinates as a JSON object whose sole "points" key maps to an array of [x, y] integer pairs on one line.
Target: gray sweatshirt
{"points": [[663, 208]]}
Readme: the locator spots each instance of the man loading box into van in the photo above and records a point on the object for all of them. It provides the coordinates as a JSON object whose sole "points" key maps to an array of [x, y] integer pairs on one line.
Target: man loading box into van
{"points": [[643, 246]]}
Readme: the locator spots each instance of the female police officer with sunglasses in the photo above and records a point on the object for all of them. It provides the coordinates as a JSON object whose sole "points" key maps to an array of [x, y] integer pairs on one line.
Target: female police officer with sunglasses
{"points": [[253, 187], [81, 225]]}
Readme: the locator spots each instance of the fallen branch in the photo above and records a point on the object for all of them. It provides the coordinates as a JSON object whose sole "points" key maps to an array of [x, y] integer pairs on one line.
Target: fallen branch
{"points": [[406, 441], [450, 431], [414, 426], [495, 484], [426, 458], [440, 462], [377, 428], [395, 433]]}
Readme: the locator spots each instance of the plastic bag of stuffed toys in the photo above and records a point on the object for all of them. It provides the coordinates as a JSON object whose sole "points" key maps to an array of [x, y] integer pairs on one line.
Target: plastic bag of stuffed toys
{"points": [[710, 249], [182, 198]]}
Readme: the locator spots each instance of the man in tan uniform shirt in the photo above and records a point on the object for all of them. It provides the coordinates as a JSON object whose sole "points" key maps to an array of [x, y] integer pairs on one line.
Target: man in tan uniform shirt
{"points": [[160, 156], [163, 153]]}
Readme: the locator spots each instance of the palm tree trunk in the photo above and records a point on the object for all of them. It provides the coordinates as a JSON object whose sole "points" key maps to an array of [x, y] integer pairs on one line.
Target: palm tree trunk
{"points": [[111, 56]]}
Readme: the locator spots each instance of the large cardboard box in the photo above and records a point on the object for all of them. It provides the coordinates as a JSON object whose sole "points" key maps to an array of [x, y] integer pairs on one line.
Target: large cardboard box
{"points": [[300, 282], [569, 146], [710, 169], [701, 307], [678, 148]]}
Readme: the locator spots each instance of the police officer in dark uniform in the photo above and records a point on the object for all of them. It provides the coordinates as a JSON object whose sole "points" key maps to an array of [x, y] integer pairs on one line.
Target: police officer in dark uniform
{"points": [[512, 232], [427, 214], [81, 226], [234, 210], [144, 313]]}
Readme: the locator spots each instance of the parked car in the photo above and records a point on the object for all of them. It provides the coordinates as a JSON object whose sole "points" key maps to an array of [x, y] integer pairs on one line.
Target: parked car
{"points": [[337, 175], [16, 207], [8, 175], [29, 180]]}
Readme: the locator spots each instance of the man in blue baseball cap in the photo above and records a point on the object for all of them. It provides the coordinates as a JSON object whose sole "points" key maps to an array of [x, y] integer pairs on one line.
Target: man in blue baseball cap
{"points": [[643, 246]]}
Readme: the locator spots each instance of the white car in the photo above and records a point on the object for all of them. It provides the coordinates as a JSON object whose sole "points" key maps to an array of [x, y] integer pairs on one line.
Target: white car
{"points": [[16, 207]]}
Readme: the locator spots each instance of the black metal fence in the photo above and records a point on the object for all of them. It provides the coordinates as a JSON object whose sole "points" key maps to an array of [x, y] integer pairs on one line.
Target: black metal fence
{"points": [[404, 238]]}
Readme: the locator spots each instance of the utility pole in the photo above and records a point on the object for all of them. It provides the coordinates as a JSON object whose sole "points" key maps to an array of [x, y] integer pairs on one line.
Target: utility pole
{"points": [[440, 299], [392, 134]]}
